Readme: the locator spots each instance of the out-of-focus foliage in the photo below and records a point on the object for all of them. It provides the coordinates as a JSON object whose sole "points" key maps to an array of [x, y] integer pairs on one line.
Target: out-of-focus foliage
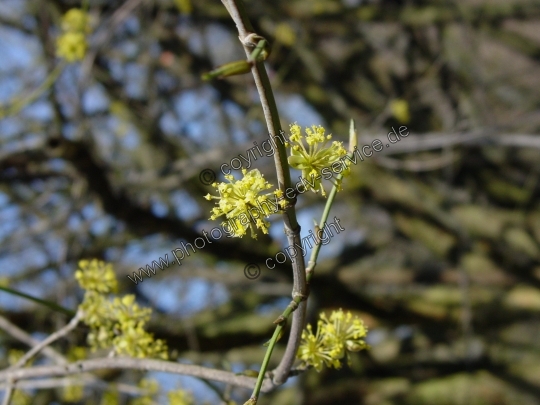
{"points": [[117, 324], [441, 250]]}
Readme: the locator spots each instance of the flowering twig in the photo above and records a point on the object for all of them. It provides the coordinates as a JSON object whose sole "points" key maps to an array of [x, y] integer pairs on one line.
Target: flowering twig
{"points": [[353, 140], [282, 319], [292, 228]]}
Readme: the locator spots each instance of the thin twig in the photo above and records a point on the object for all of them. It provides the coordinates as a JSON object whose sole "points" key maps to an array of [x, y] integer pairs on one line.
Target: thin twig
{"points": [[87, 380], [24, 337], [51, 353], [48, 304], [353, 139], [9, 392], [18, 103], [52, 338], [83, 366]]}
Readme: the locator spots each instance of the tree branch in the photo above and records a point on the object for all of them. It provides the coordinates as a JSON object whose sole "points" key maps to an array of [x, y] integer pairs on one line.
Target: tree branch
{"points": [[24, 337], [53, 337], [132, 364], [292, 229]]}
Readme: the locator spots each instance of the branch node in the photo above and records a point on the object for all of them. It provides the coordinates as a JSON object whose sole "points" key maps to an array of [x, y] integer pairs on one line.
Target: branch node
{"points": [[293, 305], [302, 297], [251, 39], [280, 319]]}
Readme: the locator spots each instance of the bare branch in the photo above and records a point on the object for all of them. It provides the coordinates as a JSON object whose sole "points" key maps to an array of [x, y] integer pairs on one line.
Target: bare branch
{"points": [[88, 380], [133, 364], [9, 392], [24, 337]]}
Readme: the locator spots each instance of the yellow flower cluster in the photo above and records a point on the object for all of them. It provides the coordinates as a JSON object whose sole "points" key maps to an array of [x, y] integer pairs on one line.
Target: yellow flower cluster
{"points": [[242, 204], [317, 157], [96, 276], [119, 322], [72, 44], [336, 336]]}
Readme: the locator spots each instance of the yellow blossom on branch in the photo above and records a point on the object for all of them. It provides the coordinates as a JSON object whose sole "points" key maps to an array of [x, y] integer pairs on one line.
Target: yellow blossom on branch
{"points": [[243, 204], [118, 323], [336, 336], [95, 275], [76, 20], [315, 350], [72, 44], [317, 156]]}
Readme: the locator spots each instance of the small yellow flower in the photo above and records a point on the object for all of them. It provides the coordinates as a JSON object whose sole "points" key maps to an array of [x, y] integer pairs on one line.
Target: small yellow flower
{"points": [[134, 341], [242, 204], [346, 330], [336, 336], [315, 351], [125, 310], [316, 157], [96, 275], [400, 110], [76, 20], [71, 46]]}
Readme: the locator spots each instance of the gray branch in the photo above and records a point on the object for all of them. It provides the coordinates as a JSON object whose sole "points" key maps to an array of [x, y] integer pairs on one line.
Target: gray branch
{"points": [[132, 364]]}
